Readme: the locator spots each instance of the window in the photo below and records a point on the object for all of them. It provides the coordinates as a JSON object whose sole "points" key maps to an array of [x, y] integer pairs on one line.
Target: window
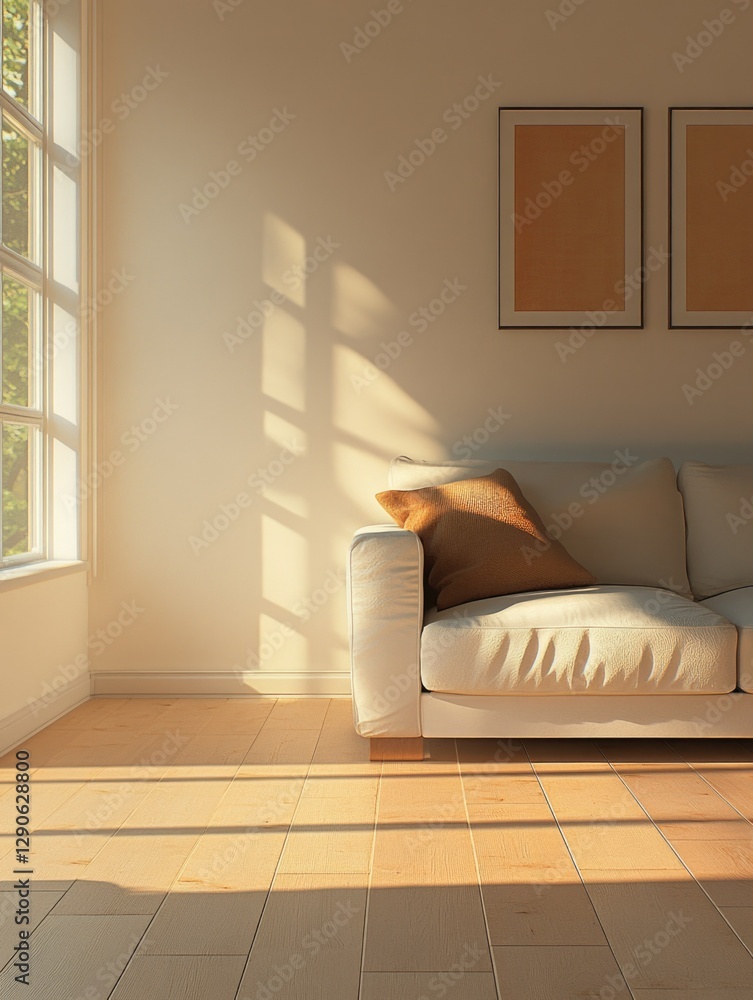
{"points": [[21, 256], [40, 205]]}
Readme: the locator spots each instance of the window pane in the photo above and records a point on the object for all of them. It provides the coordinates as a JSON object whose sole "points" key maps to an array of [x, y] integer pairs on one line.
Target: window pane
{"points": [[17, 153], [16, 48], [18, 328], [18, 473]]}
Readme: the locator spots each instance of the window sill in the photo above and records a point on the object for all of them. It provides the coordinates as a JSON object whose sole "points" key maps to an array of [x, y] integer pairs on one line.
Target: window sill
{"points": [[22, 576]]}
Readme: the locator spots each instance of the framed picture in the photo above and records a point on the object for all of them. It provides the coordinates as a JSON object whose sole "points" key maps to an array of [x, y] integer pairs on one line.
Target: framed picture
{"points": [[570, 217], [710, 217]]}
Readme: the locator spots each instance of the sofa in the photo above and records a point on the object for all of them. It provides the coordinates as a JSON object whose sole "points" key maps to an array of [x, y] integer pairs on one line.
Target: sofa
{"points": [[661, 646]]}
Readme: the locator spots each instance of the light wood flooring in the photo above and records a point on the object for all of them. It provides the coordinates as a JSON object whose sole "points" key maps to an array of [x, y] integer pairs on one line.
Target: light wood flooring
{"points": [[193, 849]]}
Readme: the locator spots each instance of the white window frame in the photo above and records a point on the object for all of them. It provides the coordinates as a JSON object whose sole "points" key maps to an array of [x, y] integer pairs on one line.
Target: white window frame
{"points": [[30, 123], [59, 536]]}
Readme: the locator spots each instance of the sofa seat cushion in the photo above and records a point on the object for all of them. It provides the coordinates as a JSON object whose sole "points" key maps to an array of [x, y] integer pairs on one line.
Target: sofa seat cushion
{"points": [[737, 606], [597, 640]]}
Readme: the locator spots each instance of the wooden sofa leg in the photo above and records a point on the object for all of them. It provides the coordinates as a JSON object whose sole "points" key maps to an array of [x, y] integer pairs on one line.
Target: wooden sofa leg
{"points": [[393, 748]]}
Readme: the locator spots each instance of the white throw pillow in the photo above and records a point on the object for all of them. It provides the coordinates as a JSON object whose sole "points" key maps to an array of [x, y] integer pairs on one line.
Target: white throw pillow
{"points": [[622, 520], [719, 515]]}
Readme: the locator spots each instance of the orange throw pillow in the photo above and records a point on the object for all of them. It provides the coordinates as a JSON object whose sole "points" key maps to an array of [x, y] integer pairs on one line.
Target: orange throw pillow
{"points": [[480, 540]]}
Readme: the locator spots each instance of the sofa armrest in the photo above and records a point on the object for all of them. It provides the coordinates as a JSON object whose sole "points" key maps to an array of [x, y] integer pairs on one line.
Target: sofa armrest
{"points": [[385, 618]]}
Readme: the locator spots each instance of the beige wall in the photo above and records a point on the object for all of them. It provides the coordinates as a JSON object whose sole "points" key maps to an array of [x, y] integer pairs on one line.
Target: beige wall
{"points": [[44, 654], [166, 336]]}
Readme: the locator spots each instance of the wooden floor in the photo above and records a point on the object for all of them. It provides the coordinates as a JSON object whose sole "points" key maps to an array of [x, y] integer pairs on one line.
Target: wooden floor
{"points": [[214, 850]]}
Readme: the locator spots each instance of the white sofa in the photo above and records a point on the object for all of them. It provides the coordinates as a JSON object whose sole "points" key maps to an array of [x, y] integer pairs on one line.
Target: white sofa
{"points": [[662, 646]]}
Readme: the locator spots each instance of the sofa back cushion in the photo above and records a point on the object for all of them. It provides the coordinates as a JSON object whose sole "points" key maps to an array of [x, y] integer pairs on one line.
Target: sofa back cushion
{"points": [[478, 536], [719, 513], [623, 520]]}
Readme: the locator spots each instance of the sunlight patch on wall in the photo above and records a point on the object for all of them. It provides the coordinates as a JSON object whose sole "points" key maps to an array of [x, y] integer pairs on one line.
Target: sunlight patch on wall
{"points": [[284, 562], [370, 404], [358, 475], [359, 307], [284, 360], [280, 433], [281, 647], [284, 255], [287, 498]]}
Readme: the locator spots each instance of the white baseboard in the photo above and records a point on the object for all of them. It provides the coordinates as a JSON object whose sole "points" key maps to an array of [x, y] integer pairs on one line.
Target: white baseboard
{"points": [[218, 683], [20, 725]]}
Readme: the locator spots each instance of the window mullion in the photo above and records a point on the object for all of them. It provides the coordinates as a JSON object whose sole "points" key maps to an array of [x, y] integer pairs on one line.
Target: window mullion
{"points": [[21, 415], [19, 267], [27, 124]]}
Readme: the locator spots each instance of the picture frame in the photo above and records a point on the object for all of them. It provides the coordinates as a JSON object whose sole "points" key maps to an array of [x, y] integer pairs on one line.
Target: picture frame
{"points": [[710, 217], [570, 217]]}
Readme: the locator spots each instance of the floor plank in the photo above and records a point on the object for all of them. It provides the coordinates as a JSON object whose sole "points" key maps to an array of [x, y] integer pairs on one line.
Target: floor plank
{"points": [[185, 977], [298, 713], [497, 771], [704, 994], [126, 878], [195, 843], [333, 828], [741, 920], [215, 904], [424, 897], [459, 983], [310, 939], [660, 928], [724, 868], [76, 954], [544, 973], [733, 781], [682, 804], [41, 904], [603, 824]]}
